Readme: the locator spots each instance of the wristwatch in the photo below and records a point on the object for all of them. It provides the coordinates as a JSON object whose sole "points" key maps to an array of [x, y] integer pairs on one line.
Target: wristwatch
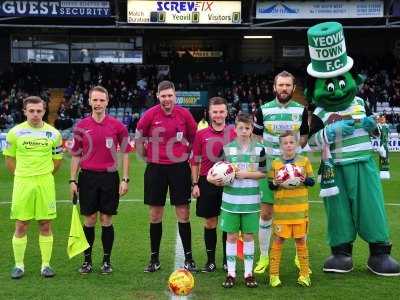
{"points": [[125, 180], [194, 184], [72, 181]]}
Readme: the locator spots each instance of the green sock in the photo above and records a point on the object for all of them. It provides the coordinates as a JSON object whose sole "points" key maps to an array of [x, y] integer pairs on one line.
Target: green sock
{"points": [[19, 246], [46, 247]]}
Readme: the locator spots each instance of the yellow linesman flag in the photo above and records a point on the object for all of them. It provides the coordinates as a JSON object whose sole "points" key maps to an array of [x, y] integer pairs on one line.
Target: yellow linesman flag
{"points": [[77, 242]]}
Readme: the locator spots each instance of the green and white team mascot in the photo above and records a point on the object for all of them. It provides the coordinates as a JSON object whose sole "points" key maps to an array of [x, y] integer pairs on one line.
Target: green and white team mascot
{"points": [[342, 127]]}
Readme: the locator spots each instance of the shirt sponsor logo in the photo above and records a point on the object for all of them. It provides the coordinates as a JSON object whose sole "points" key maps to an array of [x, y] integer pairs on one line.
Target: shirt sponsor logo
{"points": [[279, 127], [24, 132], [35, 144]]}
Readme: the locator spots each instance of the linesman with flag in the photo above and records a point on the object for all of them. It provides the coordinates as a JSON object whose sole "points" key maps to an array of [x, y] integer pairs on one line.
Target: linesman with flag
{"points": [[94, 152]]}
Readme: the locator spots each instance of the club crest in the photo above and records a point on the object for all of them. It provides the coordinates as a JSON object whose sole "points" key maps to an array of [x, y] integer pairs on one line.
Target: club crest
{"points": [[109, 143]]}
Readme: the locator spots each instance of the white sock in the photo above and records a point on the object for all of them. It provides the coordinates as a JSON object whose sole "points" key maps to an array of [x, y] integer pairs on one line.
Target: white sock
{"points": [[264, 236], [231, 252], [248, 252]]}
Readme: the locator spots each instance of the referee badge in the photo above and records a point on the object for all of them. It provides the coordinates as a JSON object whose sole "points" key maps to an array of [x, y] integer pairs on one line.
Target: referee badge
{"points": [[109, 143], [179, 136]]}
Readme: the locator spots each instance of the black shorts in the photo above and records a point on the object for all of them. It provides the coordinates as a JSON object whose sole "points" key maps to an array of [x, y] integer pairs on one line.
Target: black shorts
{"points": [[209, 203], [158, 178], [98, 191]]}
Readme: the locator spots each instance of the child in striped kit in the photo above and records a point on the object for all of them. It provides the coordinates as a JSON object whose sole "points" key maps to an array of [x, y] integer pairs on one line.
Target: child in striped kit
{"points": [[240, 207], [290, 219]]}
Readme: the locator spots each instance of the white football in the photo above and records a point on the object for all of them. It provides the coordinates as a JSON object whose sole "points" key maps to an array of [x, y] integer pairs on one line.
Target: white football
{"points": [[291, 176], [223, 170]]}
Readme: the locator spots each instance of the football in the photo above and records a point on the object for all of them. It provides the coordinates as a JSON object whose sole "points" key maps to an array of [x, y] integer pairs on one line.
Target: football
{"points": [[223, 170], [290, 175], [181, 282]]}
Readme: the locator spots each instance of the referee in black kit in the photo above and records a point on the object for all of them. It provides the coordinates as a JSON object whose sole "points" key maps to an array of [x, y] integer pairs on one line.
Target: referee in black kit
{"points": [[94, 151], [163, 137]]}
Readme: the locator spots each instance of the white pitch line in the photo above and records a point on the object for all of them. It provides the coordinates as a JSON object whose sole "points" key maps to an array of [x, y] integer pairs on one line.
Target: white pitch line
{"points": [[141, 200], [179, 260], [70, 201]]}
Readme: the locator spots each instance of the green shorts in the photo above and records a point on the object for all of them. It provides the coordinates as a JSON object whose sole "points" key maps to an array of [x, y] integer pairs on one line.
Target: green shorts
{"points": [[34, 197], [235, 222], [266, 195]]}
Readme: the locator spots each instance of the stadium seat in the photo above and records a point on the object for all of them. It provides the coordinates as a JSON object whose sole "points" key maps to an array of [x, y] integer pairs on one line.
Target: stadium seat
{"points": [[244, 107]]}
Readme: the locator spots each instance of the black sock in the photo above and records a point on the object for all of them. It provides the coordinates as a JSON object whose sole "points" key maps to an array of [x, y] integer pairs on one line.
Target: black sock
{"points": [[210, 239], [107, 237], [224, 236], [89, 234], [186, 237], [155, 240]]}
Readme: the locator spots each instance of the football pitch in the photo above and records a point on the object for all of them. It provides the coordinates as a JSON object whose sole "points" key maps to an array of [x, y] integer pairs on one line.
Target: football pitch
{"points": [[131, 254]]}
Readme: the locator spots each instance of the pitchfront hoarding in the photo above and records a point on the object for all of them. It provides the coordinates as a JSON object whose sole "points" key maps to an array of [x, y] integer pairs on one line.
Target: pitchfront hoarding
{"points": [[82, 9], [184, 12], [319, 9]]}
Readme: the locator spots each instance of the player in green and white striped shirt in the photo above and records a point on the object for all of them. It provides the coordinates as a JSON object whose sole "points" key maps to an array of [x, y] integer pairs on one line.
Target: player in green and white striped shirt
{"points": [[241, 200], [274, 118]]}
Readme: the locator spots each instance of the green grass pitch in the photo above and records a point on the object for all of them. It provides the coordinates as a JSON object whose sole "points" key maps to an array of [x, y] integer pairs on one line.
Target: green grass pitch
{"points": [[131, 254]]}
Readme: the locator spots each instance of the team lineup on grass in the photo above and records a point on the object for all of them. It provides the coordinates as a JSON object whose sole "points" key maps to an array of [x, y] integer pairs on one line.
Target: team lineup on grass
{"points": [[251, 179]]}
